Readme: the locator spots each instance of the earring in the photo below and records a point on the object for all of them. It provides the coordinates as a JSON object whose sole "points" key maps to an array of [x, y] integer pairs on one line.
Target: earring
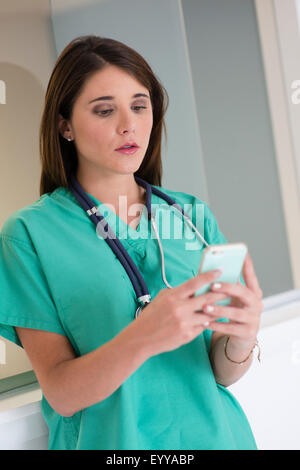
{"points": [[69, 140]]}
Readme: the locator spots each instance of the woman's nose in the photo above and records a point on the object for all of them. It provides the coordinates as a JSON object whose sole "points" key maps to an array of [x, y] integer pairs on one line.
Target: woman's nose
{"points": [[126, 123]]}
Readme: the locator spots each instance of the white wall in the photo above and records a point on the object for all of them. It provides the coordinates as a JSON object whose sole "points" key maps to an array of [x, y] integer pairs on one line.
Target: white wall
{"points": [[269, 392], [23, 429]]}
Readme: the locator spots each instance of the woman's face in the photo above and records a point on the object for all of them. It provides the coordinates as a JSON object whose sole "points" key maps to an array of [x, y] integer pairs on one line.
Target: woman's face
{"points": [[99, 127]]}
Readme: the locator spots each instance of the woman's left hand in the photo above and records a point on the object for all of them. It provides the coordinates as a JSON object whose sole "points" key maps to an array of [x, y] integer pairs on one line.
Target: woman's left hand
{"points": [[244, 310]]}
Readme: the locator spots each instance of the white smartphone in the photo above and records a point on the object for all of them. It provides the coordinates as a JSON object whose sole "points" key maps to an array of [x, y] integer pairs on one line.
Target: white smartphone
{"points": [[230, 258]]}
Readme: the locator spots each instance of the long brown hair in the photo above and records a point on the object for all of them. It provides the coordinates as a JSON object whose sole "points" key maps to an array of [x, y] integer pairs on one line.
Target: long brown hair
{"points": [[82, 57]]}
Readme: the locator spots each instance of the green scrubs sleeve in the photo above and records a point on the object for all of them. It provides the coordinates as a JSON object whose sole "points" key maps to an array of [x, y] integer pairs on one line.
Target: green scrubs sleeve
{"points": [[25, 299]]}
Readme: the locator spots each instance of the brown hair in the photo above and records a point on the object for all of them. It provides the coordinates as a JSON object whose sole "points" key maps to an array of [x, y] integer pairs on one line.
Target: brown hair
{"points": [[82, 57]]}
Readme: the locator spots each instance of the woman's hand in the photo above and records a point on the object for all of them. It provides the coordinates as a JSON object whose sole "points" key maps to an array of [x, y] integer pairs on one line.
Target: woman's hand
{"points": [[243, 312], [173, 317]]}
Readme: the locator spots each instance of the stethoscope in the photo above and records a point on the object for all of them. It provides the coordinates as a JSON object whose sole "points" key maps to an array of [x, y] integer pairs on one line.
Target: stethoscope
{"points": [[114, 243]]}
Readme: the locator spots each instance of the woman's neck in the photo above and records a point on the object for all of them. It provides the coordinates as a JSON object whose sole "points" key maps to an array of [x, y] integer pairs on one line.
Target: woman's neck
{"points": [[110, 190]]}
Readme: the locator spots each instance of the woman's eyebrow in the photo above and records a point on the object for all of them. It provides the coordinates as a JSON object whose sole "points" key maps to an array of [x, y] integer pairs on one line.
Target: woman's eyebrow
{"points": [[102, 98]]}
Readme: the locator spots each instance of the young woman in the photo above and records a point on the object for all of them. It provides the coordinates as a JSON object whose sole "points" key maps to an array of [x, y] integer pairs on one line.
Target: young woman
{"points": [[112, 379]]}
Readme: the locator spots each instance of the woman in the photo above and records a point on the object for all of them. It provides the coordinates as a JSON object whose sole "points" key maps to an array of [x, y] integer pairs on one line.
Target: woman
{"points": [[110, 380]]}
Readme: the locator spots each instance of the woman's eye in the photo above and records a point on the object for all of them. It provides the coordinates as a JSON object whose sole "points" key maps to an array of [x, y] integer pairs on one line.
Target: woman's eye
{"points": [[106, 112], [140, 107]]}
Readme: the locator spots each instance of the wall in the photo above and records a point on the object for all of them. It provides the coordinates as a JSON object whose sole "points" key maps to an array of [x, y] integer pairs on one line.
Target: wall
{"points": [[269, 392], [236, 133]]}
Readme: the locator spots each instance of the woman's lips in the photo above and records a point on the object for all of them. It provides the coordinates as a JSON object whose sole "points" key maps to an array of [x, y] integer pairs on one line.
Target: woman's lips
{"points": [[128, 151]]}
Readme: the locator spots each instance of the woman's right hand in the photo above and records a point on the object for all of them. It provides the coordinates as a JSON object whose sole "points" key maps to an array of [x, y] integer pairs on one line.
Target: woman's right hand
{"points": [[171, 318]]}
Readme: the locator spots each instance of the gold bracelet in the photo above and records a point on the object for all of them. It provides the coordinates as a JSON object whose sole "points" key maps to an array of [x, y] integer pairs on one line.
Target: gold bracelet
{"points": [[242, 362]]}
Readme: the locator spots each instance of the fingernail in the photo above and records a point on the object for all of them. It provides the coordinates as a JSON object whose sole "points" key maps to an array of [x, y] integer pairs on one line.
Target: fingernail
{"points": [[208, 308], [218, 272], [216, 285]]}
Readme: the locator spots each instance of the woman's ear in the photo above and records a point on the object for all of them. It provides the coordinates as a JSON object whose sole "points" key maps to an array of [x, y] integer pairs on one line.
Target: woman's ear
{"points": [[64, 128]]}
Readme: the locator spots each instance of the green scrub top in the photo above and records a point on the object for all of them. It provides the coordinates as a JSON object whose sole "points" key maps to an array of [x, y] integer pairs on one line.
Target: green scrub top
{"points": [[58, 274]]}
